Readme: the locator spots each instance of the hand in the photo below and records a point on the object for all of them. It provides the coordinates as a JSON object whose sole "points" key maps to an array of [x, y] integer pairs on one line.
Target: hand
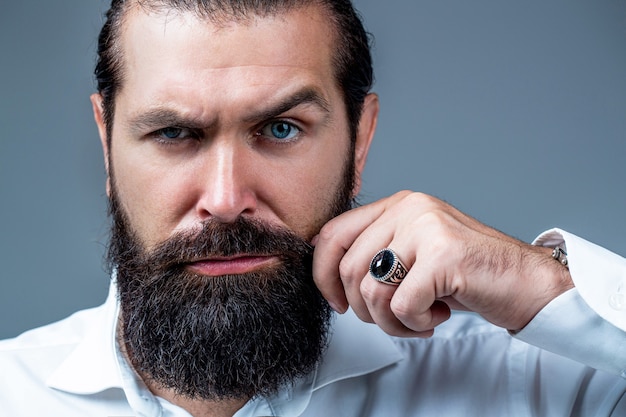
{"points": [[454, 262]]}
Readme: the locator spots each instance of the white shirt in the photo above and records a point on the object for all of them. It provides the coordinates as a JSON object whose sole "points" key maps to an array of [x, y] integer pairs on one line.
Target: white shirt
{"points": [[469, 368]]}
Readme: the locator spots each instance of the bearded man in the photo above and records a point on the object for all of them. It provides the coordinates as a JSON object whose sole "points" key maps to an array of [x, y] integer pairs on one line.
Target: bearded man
{"points": [[235, 134]]}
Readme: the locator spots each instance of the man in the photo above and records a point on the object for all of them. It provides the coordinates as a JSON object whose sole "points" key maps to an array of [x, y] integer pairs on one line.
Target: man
{"points": [[235, 135]]}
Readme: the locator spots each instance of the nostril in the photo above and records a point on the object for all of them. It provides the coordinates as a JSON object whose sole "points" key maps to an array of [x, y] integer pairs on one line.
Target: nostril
{"points": [[226, 207], [226, 182]]}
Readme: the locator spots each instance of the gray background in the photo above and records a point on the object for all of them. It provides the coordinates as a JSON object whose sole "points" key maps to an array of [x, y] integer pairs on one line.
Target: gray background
{"points": [[513, 111]]}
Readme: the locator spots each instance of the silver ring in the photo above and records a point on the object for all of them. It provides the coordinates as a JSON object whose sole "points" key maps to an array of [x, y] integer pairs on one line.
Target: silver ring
{"points": [[387, 267]]}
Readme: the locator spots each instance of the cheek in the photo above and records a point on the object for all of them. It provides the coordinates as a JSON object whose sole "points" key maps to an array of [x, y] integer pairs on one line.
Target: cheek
{"points": [[151, 197], [305, 199]]}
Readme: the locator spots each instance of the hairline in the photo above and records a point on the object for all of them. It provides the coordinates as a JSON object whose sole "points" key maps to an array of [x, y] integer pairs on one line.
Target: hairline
{"points": [[220, 18]]}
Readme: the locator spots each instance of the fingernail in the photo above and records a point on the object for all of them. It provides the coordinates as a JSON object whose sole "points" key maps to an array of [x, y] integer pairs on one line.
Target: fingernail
{"points": [[315, 239], [338, 309]]}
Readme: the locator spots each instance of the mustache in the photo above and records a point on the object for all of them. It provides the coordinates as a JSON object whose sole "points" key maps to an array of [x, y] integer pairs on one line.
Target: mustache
{"points": [[214, 239]]}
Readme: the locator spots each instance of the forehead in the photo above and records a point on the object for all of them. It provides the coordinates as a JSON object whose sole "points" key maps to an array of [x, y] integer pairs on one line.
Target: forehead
{"points": [[168, 52]]}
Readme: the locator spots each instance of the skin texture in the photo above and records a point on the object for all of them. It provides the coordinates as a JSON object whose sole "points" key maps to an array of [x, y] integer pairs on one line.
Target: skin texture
{"points": [[180, 65], [220, 86], [220, 161], [454, 262]]}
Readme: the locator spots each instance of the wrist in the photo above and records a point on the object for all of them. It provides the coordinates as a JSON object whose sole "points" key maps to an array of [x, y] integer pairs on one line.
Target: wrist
{"points": [[547, 276]]}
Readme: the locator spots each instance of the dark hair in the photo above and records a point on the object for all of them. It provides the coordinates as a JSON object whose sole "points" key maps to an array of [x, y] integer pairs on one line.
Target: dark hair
{"points": [[352, 60]]}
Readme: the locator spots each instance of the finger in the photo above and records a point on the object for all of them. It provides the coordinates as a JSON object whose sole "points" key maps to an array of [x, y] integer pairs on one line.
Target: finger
{"points": [[378, 297], [356, 261], [415, 303], [331, 245], [436, 314]]}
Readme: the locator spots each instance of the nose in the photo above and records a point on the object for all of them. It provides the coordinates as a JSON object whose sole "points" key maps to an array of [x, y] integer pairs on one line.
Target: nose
{"points": [[227, 189]]}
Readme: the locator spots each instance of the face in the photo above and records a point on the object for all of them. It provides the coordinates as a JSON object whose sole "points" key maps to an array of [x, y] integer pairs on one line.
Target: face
{"points": [[244, 119], [229, 150]]}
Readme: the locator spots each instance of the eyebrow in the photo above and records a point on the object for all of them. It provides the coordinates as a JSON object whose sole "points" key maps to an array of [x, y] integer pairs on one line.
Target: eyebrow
{"points": [[301, 97], [163, 117]]}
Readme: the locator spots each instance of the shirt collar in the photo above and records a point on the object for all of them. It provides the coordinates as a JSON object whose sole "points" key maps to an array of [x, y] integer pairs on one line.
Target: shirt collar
{"points": [[356, 348], [92, 366], [96, 364]]}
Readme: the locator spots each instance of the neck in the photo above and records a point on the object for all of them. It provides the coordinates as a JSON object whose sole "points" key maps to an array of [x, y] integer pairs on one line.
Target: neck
{"points": [[199, 408]]}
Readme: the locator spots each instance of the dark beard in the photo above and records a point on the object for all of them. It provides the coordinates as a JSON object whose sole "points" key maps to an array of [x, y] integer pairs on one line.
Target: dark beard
{"points": [[225, 337]]}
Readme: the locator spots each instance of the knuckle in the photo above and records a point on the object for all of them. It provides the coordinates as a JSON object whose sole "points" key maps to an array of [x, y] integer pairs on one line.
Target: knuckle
{"points": [[436, 218], [347, 268], [442, 232], [329, 231], [401, 195], [368, 291], [439, 246], [401, 308], [421, 200]]}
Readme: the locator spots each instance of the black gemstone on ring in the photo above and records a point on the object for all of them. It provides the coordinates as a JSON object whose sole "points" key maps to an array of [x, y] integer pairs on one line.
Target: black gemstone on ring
{"points": [[382, 263]]}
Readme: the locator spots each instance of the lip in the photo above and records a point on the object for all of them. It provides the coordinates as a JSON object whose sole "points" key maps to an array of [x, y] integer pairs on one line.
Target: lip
{"points": [[231, 265]]}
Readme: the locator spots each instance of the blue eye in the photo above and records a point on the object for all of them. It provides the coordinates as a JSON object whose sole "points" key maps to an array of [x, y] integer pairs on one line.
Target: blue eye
{"points": [[280, 130], [171, 132]]}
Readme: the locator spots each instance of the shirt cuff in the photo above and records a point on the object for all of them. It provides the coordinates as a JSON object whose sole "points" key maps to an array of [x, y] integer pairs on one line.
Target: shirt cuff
{"points": [[568, 327], [598, 274]]}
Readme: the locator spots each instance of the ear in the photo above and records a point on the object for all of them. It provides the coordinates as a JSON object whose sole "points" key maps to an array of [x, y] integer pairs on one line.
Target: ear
{"points": [[98, 115], [364, 136]]}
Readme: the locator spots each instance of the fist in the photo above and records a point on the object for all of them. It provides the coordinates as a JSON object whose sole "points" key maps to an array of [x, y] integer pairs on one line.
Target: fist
{"points": [[453, 262]]}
